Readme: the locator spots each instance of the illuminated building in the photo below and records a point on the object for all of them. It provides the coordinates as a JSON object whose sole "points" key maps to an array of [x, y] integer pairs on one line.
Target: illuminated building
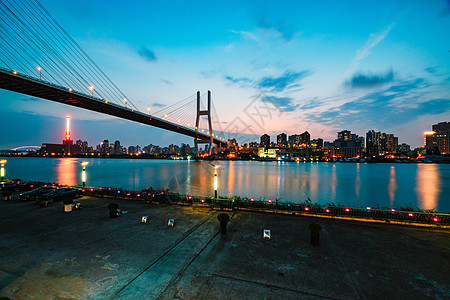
{"points": [[264, 152], [281, 140], [265, 140], [438, 138]]}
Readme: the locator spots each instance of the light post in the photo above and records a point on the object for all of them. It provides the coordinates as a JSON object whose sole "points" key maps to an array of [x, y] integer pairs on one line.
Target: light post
{"points": [[216, 183], [91, 87], [83, 173], [2, 162], [125, 101], [148, 109], [39, 69]]}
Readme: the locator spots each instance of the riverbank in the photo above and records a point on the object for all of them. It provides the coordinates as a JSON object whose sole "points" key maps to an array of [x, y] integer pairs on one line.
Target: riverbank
{"points": [[47, 253], [418, 186]]}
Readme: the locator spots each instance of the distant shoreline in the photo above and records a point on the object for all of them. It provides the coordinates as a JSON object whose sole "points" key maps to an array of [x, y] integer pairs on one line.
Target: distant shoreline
{"points": [[437, 160]]}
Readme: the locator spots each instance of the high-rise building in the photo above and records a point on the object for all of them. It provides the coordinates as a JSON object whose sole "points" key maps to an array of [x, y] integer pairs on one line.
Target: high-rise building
{"points": [[265, 140], [282, 140], [305, 138], [345, 135], [318, 143], [347, 145], [404, 148], [294, 140], [379, 143], [391, 143], [105, 147], [439, 137], [117, 147]]}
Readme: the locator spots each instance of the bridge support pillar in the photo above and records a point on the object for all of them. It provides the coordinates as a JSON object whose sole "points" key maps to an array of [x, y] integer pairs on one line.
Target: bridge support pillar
{"points": [[206, 113]]}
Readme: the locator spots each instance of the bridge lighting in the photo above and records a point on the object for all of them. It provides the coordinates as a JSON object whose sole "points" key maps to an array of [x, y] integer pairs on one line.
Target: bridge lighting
{"points": [[148, 110], [91, 87], [165, 116], [2, 171], [216, 182], [39, 69], [70, 90], [83, 173], [15, 72], [125, 101]]}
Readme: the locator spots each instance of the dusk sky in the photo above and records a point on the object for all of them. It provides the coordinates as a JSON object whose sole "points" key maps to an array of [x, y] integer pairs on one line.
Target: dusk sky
{"points": [[325, 65]]}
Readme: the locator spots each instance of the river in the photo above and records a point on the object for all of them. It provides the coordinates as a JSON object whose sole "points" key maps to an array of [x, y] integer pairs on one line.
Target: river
{"points": [[425, 186]]}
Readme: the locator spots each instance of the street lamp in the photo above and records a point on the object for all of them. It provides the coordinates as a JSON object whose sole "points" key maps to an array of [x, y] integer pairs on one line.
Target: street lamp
{"points": [[216, 183], [39, 69], [2, 162], [91, 87], [148, 109], [83, 173], [125, 101]]}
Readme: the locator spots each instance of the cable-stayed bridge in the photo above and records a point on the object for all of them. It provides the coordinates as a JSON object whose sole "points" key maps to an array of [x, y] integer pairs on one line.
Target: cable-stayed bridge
{"points": [[39, 58]]}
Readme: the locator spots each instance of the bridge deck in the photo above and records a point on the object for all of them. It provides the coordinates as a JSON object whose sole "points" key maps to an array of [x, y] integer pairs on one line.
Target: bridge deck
{"points": [[32, 87]]}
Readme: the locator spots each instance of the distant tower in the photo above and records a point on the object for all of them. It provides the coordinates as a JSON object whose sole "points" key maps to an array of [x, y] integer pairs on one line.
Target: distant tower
{"points": [[67, 142], [67, 128]]}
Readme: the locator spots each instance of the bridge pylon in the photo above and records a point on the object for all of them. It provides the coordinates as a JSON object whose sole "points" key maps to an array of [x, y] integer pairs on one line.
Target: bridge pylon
{"points": [[207, 113]]}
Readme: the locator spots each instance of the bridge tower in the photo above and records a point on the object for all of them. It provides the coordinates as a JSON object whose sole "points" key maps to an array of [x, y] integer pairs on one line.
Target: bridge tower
{"points": [[207, 113]]}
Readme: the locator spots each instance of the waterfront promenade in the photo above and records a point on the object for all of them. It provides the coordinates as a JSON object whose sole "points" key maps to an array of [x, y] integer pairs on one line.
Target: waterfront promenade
{"points": [[49, 254]]}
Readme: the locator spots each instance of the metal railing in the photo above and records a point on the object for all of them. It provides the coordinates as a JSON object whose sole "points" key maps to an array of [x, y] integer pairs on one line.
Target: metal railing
{"points": [[386, 215]]}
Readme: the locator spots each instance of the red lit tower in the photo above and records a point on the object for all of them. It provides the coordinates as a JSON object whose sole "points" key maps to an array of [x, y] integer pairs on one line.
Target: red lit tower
{"points": [[67, 142]]}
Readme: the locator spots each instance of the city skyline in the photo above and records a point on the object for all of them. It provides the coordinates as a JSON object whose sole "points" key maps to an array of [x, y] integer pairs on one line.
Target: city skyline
{"points": [[362, 66]]}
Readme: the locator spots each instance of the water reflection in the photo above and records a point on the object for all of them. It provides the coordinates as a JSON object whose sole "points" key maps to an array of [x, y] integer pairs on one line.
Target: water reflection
{"points": [[392, 187], [357, 183], [313, 181], [415, 185], [428, 185], [66, 171], [333, 183], [230, 178]]}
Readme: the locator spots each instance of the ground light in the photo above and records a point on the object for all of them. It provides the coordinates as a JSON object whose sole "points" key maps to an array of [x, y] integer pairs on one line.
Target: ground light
{"points": [[83, 173], [2, 162], [216, 183]]}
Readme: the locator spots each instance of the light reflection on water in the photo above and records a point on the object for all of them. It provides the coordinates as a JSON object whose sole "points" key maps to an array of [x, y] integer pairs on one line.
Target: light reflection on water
{"points": [[65, 171], [383, 185], [392, 186], [428, 186]]}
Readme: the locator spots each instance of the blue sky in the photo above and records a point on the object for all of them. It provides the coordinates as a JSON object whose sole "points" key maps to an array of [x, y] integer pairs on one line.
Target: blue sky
{"points": [[325, 66]]}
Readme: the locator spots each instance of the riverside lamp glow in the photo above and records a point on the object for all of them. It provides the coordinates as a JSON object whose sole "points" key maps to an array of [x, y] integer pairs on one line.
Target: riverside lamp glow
{"points": [[2, 172], [83, 173], [216, 183]]}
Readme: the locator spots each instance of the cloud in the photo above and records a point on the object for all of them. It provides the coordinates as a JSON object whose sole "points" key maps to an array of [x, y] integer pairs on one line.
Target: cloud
{"points": [[374, 39], [390, 107], [284, 104], [431, 70], [166, 81], [158, 104], [147, 54], [287, 80], [369, 81], [286, 31], [246, 35]]}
